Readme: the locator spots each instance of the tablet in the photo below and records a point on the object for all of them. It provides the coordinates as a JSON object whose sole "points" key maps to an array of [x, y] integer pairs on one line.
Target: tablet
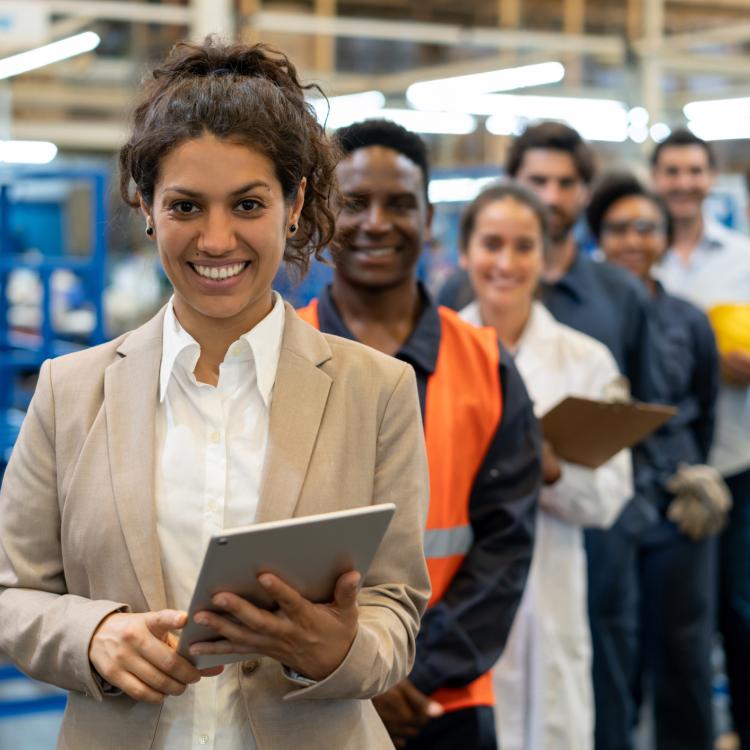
{"points": [[309, 553]]}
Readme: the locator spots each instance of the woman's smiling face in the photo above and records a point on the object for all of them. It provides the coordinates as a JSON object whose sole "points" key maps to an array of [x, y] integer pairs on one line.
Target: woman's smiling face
{"points": [[505, 254], [221, 224], [634, 235]]}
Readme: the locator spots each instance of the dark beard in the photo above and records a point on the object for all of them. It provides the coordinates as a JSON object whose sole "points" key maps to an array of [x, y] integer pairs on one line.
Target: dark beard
{"points": [[559, 233]]}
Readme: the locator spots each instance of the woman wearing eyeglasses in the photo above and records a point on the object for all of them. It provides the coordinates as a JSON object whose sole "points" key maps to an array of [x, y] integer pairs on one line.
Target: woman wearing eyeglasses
{"points": [[633, 228]]}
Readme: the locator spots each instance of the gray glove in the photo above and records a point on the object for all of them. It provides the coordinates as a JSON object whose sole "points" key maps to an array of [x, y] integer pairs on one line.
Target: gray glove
{"points": [[702, 501]]}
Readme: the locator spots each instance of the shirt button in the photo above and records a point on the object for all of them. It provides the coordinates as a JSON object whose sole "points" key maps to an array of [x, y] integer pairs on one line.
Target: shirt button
{"points": [[203, 739], [236, 350], [248, 667], [212, 505], [215, 436]]}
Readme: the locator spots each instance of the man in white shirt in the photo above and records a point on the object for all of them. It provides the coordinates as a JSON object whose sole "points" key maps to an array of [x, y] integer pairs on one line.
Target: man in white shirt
{"points": [[708, 265]]}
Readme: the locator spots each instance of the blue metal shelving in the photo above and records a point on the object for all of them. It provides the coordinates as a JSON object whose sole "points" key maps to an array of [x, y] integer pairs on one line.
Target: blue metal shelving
{"points": [[25, 352]]}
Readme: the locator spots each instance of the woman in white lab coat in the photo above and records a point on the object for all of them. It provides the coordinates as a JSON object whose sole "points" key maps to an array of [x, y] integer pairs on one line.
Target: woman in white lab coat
{"points": [[543, 680]]}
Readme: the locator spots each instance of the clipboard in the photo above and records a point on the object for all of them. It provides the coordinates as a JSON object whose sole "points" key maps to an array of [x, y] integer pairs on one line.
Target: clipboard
{"points": [[588, 432]]}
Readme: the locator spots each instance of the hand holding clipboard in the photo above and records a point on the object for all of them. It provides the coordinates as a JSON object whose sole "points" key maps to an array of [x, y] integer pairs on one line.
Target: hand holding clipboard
{"points": [[589, 432]]}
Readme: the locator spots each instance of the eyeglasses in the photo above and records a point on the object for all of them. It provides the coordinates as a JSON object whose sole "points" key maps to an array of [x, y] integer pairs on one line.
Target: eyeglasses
{"points": [[642, 227]]}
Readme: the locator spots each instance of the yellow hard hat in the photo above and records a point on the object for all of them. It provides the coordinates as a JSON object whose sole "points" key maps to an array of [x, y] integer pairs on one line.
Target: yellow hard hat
{"points": [[731, 324]]}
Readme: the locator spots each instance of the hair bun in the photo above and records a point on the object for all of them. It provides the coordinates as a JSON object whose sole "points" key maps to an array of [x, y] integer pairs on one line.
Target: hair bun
{"points": [[216, 58]]}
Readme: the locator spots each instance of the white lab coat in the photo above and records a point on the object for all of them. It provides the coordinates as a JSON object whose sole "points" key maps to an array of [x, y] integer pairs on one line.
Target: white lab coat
{"points": [[543, 688]]}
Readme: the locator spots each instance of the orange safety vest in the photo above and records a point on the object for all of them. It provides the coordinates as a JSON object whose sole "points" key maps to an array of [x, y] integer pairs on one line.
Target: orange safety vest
{"points": [[462, 410]]}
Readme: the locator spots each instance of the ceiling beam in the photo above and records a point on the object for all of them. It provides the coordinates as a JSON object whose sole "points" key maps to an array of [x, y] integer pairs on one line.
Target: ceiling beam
{"points": [[78, 135], [136, 12], [44, 94], [729, 65], [437, 33], [56, 30], [713, 4], [737, 32]]}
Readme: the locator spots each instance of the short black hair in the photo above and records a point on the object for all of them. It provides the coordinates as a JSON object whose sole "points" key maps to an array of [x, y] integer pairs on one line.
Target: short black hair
{"points": [[614, 186], [390, 135], [552, 136], [683, 137]]}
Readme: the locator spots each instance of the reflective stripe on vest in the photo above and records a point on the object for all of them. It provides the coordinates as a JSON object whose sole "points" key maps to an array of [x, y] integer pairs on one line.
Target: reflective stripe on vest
{"points": [[448, 542], [463, 408]]}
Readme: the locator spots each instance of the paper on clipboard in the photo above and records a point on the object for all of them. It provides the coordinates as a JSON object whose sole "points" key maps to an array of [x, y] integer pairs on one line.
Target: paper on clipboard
{"points": [[588, 432]]}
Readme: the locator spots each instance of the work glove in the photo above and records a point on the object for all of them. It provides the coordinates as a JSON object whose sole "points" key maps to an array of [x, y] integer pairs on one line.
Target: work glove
{"points": [[702, 501], [617, 391]]}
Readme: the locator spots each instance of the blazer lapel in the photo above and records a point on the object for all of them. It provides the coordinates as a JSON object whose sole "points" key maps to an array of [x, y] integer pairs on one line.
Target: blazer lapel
{"points": [[130, 399], [299, 398]]}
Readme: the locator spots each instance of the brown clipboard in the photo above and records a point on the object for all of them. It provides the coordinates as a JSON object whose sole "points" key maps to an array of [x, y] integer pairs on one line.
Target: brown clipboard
{"points": [[588, 432]]}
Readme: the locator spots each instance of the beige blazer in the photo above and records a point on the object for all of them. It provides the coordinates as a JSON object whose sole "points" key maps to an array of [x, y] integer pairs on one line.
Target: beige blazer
{"points": [[78, 537]]}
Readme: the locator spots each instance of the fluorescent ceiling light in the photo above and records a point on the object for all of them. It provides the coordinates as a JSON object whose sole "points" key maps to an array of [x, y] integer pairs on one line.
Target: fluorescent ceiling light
{"points": [[49, 53], [27, 152], [505, 124], [589, 131], [639, 117], [638, 133], [718, 108], [457, 189], [540, 107], [339, 111], [714, 129], [433, 94], [418, 121], [594, 119], [659, 131]]}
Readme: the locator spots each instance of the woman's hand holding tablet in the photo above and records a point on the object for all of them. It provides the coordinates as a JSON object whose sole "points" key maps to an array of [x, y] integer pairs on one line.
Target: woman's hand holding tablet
{"points": [[311, 639], [137, 654]]}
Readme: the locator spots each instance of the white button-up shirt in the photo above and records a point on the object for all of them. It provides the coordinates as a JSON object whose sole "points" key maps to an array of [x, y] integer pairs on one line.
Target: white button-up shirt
{"points": [[717, 272], [210, 449]]}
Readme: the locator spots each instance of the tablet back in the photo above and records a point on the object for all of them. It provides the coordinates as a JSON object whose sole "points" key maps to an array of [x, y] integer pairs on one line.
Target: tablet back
{"points": [[308, 553]]}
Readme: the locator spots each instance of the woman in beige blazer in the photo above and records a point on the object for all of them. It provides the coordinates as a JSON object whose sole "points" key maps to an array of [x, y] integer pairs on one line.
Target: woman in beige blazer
{"points": [[232, 174]]}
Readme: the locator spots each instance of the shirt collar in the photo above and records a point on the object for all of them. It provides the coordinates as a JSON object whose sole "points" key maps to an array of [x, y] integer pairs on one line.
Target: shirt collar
{"points": [[472, 313], [261, 343], [420, 349], [177, 343], [576, 281], [541, 326], [715, 237], [715, 234]]}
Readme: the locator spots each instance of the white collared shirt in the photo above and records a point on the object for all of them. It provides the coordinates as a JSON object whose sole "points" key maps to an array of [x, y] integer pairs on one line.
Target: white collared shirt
{"points": [[717, 272], [556, 361], [210, 449]]}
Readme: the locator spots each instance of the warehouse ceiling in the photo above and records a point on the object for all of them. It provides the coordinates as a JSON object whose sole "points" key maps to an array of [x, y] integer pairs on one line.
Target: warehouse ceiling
{"points": [[658, 54]]}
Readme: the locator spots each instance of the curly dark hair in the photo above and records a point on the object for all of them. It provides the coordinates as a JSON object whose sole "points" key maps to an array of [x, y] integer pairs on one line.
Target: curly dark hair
{"points": [[248, 94], [614, 186]]}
